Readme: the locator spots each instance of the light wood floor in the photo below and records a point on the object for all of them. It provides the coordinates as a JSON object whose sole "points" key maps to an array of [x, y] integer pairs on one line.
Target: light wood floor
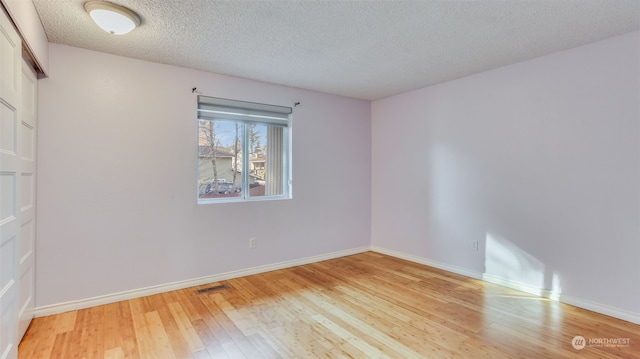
{"points": [[362, 306]]}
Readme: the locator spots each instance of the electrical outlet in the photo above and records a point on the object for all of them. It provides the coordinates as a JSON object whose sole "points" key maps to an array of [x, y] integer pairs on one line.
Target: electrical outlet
{"points": [[475, 245], [252, 243]]}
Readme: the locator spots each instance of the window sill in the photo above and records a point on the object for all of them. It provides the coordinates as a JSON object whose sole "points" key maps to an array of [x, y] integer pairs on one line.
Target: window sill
{"points": [[205, 201]]}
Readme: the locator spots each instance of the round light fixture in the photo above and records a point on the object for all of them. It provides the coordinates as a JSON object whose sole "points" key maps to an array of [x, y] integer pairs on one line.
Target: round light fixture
{"points": [[112, 18]]}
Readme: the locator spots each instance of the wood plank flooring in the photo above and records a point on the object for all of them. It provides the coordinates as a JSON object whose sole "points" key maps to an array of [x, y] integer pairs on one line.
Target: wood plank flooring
{"points": [[363, 306]]}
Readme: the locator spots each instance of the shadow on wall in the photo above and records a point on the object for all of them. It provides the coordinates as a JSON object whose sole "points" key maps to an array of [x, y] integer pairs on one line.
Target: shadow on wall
{"points": [[459, 203], [507, 264]]}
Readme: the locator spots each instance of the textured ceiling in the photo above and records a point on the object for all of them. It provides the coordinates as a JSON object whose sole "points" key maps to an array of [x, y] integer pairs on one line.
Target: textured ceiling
{"points": [[361, 49]]}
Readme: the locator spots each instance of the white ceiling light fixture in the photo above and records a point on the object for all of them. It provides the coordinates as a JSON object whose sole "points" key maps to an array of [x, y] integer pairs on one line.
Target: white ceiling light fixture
{"points": [[112, 18]]}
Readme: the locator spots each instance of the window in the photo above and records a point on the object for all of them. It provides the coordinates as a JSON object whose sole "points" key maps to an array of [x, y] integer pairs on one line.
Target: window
{"points": [[244, 151]]}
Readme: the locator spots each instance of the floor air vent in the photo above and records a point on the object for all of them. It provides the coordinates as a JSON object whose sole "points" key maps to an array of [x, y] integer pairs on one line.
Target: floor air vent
{"points": [[211, 289]]}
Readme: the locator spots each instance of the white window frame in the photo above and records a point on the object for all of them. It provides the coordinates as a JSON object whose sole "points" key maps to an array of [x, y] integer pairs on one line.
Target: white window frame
{"points": [[244, 113]]}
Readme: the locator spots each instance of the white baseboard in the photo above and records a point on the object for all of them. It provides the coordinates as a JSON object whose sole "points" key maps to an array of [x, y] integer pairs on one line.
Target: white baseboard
{"points": [[130, 294], [576, 302], [601, 308], [135, 293], [428, 262], [523, 287]]}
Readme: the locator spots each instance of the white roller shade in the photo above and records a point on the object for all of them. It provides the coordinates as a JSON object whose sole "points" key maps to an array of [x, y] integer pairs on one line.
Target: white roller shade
{"points": [[213, 108]]}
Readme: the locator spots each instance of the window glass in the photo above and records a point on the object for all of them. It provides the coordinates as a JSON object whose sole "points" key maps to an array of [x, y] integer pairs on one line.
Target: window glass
{"points": [[243, 151], [219, 161]]}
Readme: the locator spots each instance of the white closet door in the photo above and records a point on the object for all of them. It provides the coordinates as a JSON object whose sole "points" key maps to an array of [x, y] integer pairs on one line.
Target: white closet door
{"points": [[26, 246], [10, 182]]}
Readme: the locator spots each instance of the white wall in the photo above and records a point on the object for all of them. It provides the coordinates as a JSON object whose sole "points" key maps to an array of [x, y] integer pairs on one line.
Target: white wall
{"points": [[117, 179], [538, 161]]}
